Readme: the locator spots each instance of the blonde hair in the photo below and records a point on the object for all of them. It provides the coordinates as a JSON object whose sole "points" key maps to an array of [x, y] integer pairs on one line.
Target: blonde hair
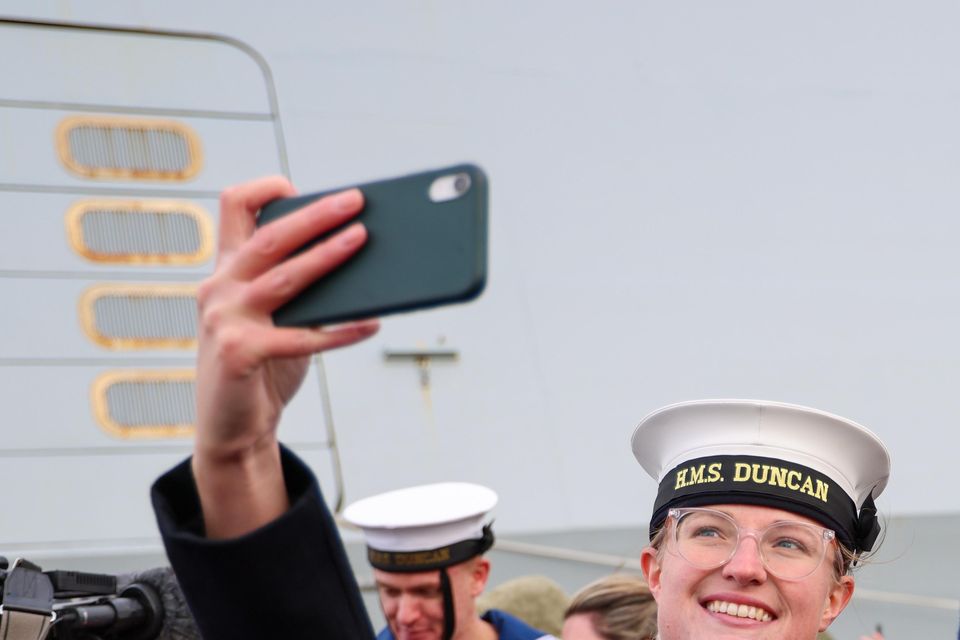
{"points": [[619, 606]]}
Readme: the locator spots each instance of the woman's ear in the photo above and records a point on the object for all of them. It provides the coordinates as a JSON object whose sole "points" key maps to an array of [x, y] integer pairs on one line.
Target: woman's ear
{"points": [[837, 600], [650, 564]]}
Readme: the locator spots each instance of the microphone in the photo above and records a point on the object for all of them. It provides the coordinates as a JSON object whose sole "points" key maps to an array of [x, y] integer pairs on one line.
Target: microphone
{"points": [[177, 622], [148, 606], [134, 614]]}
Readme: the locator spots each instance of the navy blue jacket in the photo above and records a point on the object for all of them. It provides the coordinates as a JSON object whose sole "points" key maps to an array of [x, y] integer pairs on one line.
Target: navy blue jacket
{"points": [[289, 579]]}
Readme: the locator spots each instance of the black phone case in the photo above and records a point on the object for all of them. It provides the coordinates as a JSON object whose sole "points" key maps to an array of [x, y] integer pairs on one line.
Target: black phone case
{"points": [[418, 253]]}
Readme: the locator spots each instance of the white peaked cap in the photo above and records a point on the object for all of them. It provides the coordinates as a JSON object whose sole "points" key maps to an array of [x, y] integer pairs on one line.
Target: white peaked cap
{"points": [[423, 518], [731, 432]]}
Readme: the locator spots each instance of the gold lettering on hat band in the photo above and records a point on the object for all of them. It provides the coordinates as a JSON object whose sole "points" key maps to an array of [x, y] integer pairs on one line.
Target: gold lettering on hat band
{"points": [[428, 559], [421, 558], [407, 560], [713, 474], [756, 474]]}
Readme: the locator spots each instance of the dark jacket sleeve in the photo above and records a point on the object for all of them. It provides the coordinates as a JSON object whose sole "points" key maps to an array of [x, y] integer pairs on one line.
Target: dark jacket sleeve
{"points": [[289, 579]]}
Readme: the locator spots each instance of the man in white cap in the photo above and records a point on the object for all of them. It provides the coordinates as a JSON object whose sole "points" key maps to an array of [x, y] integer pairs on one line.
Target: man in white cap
{"points": [[426, 547], [762, 510]]}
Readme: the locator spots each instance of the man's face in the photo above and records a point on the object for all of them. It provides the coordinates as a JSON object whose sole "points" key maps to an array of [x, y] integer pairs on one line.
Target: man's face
{"points": [[690, 600], [413, 602]]}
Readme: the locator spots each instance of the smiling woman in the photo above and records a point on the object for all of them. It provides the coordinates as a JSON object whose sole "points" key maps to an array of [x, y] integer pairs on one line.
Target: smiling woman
{"points": [[762, 510]]}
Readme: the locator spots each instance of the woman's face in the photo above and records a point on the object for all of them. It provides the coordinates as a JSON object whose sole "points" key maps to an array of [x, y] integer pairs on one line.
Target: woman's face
{"points": [[690, 600]]}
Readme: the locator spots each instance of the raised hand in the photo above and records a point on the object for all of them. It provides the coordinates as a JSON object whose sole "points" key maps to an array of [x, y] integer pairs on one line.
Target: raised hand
{"points": [[247, 368]]}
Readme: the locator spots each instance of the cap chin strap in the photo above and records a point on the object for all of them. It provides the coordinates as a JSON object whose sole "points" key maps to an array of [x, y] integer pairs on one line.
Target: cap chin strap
{"points": [[449, 616]]}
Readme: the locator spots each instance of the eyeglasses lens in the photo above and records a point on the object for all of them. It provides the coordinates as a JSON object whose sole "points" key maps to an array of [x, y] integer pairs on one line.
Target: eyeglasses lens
{"points": [[708, 539]]}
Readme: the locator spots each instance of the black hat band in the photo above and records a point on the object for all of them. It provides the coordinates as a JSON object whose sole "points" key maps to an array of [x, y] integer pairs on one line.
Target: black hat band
{"points": [[414, 561], [768, 482]]}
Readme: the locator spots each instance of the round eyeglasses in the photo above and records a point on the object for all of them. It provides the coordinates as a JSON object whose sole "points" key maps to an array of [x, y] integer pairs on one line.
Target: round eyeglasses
{"points": [[708, 539]]}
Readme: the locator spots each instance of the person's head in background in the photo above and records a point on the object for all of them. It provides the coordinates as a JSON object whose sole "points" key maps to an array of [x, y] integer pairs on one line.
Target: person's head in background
{"points": [[615, 607], [762, 509], [426, 547], [537, 600]]}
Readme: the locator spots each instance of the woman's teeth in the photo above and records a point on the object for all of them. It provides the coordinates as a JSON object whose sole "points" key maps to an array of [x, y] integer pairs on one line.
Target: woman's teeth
{"points": [[738, 610]]}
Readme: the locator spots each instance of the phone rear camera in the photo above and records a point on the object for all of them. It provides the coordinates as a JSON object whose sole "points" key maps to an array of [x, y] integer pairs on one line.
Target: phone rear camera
{"points": [[449, 187]]}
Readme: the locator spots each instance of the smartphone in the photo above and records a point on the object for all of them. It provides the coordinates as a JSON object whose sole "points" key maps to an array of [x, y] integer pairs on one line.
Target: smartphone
{"points": [[426, 246]]}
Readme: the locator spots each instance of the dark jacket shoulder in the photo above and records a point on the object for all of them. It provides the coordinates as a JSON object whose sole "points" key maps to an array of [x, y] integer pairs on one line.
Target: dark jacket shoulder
{"points": [[289, 579]]}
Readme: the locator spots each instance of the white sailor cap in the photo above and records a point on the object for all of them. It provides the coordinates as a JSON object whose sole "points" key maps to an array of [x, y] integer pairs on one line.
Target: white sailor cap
{"points": [[786, 456], [426, 527]]}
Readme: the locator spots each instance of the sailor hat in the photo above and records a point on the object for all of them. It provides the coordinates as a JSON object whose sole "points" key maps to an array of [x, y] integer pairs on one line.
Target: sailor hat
{"points": [[426, 527], [780, 455]]}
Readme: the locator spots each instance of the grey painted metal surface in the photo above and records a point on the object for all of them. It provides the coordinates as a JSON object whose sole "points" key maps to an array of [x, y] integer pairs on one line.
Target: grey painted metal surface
{"points": [[82, 483], [131, 70], [710, 201]]}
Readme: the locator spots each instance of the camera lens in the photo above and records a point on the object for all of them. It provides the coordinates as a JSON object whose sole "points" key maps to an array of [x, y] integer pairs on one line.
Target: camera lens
{"points": [[449, 187]]}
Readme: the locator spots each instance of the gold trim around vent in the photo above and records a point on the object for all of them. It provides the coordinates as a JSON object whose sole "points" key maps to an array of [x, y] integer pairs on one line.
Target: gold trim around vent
{"points": [[137, 155], [101, 405], [88, 318], [74, 223]]}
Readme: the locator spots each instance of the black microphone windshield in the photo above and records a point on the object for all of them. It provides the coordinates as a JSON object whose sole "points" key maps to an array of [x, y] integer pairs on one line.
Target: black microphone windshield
{"points": [[178, 622]]}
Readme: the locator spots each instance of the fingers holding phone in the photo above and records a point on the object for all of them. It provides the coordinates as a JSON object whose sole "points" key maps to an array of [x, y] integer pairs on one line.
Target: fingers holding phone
{"points": [[269, 245], [247, 368], [239, 205], [285, 280], [252, 278]]}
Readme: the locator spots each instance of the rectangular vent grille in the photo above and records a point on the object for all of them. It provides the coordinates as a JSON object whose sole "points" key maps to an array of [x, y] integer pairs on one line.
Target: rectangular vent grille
{"points": [[146, 404], [141, 316], [124, 148], [138, 232]]}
